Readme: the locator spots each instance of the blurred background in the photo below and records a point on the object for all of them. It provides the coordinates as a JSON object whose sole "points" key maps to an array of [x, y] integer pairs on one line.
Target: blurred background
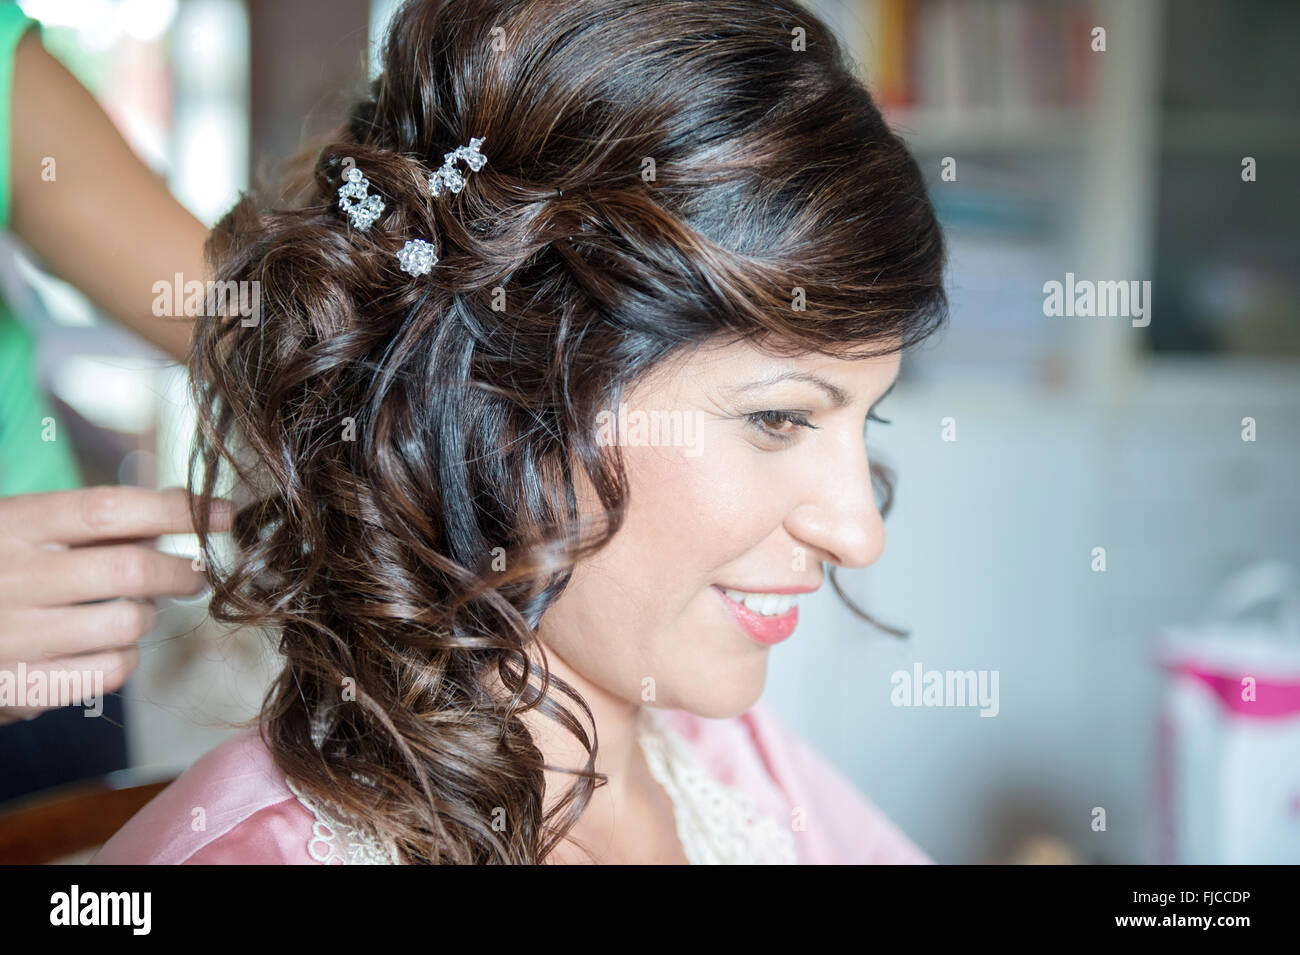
{"points": [[1024, 443]]}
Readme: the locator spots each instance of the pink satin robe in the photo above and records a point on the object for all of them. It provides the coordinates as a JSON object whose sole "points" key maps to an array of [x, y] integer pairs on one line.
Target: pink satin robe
{"points": [[251, 817]]}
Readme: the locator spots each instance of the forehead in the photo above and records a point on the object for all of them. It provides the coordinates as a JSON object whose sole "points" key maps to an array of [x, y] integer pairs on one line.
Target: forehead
{"points": [[743, 366]]}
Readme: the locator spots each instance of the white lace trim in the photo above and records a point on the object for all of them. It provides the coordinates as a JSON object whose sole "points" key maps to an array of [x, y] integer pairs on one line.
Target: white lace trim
{"points": [[335, 843], [717, 825]]}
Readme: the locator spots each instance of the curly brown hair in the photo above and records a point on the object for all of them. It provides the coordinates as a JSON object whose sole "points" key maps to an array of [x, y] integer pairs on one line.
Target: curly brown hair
{"points": [[660, 174]]}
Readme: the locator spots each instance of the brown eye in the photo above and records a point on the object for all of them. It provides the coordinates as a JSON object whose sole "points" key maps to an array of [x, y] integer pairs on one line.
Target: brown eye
{"points": [[779, 424]]}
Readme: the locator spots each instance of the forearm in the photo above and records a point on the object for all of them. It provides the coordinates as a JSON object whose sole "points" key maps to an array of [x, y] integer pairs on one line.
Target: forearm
{"points": [[104, 222]]}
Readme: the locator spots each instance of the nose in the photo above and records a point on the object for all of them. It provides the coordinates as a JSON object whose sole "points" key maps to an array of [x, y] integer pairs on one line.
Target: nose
{"points": [[837, 513]]}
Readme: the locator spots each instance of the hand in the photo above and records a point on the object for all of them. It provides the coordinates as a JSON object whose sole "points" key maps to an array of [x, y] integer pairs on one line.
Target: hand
{"points": [[78, 575]]}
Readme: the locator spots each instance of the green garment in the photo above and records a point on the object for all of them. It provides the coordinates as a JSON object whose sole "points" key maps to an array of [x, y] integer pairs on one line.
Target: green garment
{"points": [[28, 462]]}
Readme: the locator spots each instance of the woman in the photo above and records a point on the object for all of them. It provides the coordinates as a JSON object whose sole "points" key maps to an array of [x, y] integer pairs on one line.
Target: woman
{"points": [[528, 519]]}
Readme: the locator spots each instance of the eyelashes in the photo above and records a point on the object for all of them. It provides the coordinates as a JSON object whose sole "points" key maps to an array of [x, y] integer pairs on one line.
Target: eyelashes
{"points": [[783, 426], [763, 421]]}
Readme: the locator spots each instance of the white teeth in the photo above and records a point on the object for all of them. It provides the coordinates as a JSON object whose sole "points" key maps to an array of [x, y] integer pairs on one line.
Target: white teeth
{"points": [[765, 605]]}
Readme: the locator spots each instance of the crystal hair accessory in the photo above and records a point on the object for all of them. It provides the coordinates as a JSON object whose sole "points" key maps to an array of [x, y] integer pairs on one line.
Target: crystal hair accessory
{"points": [[451, 178], [355, 200], [417, 257]]}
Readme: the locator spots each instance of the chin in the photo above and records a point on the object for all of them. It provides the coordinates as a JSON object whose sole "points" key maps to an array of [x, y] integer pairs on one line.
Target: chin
{"points": [[723, 699]]}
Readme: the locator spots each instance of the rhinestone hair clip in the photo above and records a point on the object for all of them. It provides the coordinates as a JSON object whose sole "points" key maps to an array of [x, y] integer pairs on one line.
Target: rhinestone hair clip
{"points": [[417, 257], [355, 200], [449, 177]]}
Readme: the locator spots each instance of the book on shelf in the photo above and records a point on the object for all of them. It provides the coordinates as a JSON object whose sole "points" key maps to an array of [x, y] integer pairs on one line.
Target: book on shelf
{"points": [[946, 55]]}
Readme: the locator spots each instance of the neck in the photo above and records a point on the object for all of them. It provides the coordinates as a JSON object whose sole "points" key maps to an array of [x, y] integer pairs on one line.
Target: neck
{"points": [[618, 757], [618, 754]]}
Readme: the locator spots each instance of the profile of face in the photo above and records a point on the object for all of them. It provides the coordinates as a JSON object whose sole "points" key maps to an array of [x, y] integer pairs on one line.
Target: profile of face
{"points": [[766, 478]]}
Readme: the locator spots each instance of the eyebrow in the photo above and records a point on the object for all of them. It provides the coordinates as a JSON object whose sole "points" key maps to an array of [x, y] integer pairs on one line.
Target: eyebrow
{"points": [[839, 397]]}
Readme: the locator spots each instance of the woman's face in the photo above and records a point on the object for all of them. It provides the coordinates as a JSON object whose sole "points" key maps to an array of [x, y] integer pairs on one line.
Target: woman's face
{"points": [[759, 477]]}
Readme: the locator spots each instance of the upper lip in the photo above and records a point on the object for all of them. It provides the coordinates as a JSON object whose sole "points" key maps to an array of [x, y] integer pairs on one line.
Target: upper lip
{"points": [[771, 590]]}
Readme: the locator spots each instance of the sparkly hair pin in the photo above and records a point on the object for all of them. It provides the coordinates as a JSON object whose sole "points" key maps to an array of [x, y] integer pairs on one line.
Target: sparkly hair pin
{"points": [[417, 257], [355, 199], [449, 177]]}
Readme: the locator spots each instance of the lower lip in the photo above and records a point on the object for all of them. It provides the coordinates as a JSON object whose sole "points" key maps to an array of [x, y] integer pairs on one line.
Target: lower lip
{"points": [[764, 630]]}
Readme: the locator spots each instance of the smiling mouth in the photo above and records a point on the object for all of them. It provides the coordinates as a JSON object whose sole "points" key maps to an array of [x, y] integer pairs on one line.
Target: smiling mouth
{"points": [[774, 619], [763, 604]]}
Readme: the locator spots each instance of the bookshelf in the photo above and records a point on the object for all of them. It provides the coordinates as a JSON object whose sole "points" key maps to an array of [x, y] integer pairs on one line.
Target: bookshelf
{"points": [[1055, 145], [1127, 159]]}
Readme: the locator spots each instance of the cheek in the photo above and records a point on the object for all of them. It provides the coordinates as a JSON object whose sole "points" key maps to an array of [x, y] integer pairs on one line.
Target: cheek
{"points": [[640, 606], [692, 515]]}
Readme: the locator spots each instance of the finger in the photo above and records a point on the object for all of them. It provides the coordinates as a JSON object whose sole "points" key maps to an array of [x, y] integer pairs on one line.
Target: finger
{"points": [[104, 513], [70, 681], [58, 578], [37, 635]]}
